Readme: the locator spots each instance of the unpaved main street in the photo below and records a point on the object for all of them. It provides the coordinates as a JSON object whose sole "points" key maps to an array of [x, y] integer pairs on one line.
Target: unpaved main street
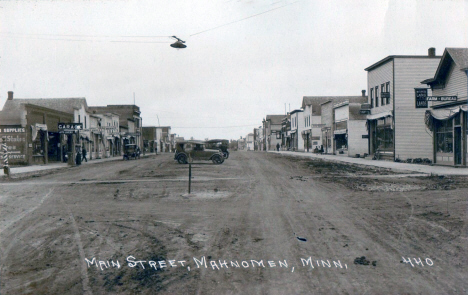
{"points": [[262, 223]]}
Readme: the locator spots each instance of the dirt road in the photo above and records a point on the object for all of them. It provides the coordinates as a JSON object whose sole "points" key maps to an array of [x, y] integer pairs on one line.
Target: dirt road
{"points": [[257, 224]]}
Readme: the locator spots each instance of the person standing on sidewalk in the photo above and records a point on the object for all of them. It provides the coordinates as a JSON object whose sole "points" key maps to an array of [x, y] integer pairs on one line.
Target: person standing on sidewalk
{"points": [[84, 154], [277, 147]]}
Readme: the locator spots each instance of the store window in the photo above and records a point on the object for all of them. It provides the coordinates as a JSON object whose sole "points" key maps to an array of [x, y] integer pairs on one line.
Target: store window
{"points": [[372, 97], [383, 100], [384, 134], [341, 141], [387, 89], [376, 96], [444, 136]]}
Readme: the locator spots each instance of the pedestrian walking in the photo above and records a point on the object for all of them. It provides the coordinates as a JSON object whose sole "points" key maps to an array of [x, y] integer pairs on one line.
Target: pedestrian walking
{"points": [[84, 154], [277, 147]]}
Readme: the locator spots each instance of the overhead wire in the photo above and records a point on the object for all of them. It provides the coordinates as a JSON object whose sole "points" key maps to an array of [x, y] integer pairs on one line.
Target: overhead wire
{"points": [[236, 21], [129, 36]]}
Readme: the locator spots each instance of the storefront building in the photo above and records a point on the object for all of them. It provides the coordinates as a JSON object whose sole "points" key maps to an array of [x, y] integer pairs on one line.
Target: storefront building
{"points": [[447, 117], [395, 124], [272, 128], [349, 130], [318, 119], [297, 128], [31, 132]]}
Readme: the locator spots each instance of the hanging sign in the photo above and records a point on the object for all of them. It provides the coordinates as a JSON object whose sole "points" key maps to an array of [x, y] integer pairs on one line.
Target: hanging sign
{"points": [[442, 98], [421, 98], [69, 128]]}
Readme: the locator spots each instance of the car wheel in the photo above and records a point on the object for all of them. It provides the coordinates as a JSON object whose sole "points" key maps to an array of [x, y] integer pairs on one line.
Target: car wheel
{"points": [[182, 159], [217, 159], [226, 155]]}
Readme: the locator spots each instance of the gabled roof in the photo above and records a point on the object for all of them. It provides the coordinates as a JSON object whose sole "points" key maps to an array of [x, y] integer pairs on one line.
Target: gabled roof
{"points": [[459, 56], [316, 101], [275, 119], [66, 105]]}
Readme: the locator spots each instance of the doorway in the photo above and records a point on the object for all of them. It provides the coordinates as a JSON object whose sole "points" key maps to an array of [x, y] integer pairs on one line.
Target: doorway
{"points": [[457, 145]]}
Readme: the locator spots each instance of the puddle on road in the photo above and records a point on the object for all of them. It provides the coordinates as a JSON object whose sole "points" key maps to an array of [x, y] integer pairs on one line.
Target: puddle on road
{"points": [[208, 195]]}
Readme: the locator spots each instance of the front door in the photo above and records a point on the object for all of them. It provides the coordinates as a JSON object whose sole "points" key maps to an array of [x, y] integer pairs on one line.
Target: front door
{"points": [[457, 145]]}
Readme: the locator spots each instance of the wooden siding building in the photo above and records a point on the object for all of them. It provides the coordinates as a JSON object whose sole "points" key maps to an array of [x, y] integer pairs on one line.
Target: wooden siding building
{"points": [[395, 125], [349, 130], [447, 118]]}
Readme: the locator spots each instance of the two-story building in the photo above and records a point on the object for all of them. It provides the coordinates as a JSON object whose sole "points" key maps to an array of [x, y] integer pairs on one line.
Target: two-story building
{"points": [[272, 131], [396, 126], [297, 127], [318, 119], [349, 130], [447, 118]]}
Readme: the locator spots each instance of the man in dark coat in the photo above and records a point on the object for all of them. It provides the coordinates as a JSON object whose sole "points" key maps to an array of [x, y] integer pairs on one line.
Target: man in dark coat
{"points": [[84, 154]]}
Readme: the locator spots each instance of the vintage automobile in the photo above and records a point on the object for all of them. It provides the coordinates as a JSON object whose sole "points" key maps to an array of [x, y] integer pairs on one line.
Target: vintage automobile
{"points": [[131, 151], [220, 144], [196, 150]]}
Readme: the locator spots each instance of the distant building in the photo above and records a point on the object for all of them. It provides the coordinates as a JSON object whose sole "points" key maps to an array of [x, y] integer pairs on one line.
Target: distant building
{"points": [[297, 127], [318, 119], [272, 131], [130, 121], [249, 142]]}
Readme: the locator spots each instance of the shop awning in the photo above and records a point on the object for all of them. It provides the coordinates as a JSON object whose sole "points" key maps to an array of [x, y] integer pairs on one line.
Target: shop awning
{"points": [[442, 115], [380, 115], [340, 131]]}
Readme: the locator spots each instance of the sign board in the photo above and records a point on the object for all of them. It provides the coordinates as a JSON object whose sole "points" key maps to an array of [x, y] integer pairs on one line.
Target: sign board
{"points": [[364, 112], [385, 94], [69, 128], [318, 125], [15, 140], [442, 98], [420, 98], [315, 138], [365, 136]]}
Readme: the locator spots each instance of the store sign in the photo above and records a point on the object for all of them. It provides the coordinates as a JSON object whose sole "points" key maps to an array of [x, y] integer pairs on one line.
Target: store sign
{"points": [[442, 98], [317, 125], [365, 136], [421, 98], [69, 128], [385, 94], [364, 112], [15, 140]]}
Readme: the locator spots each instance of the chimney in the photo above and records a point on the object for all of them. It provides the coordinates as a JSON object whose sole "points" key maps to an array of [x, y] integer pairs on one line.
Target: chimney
{"points": [[431, 52], [10, 95], [363, 92]]}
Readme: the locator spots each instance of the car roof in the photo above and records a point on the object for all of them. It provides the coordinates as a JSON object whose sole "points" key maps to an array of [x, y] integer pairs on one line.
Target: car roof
{"points": [[192, 141]]}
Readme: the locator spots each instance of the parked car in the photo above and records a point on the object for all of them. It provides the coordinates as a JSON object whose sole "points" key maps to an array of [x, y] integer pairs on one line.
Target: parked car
{"points": [[131, 151], [221, 144], [196, 150]]}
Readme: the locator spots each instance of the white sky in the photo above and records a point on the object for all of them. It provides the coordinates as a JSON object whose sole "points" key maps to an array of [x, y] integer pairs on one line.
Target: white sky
{"points": [[230, 76]]}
